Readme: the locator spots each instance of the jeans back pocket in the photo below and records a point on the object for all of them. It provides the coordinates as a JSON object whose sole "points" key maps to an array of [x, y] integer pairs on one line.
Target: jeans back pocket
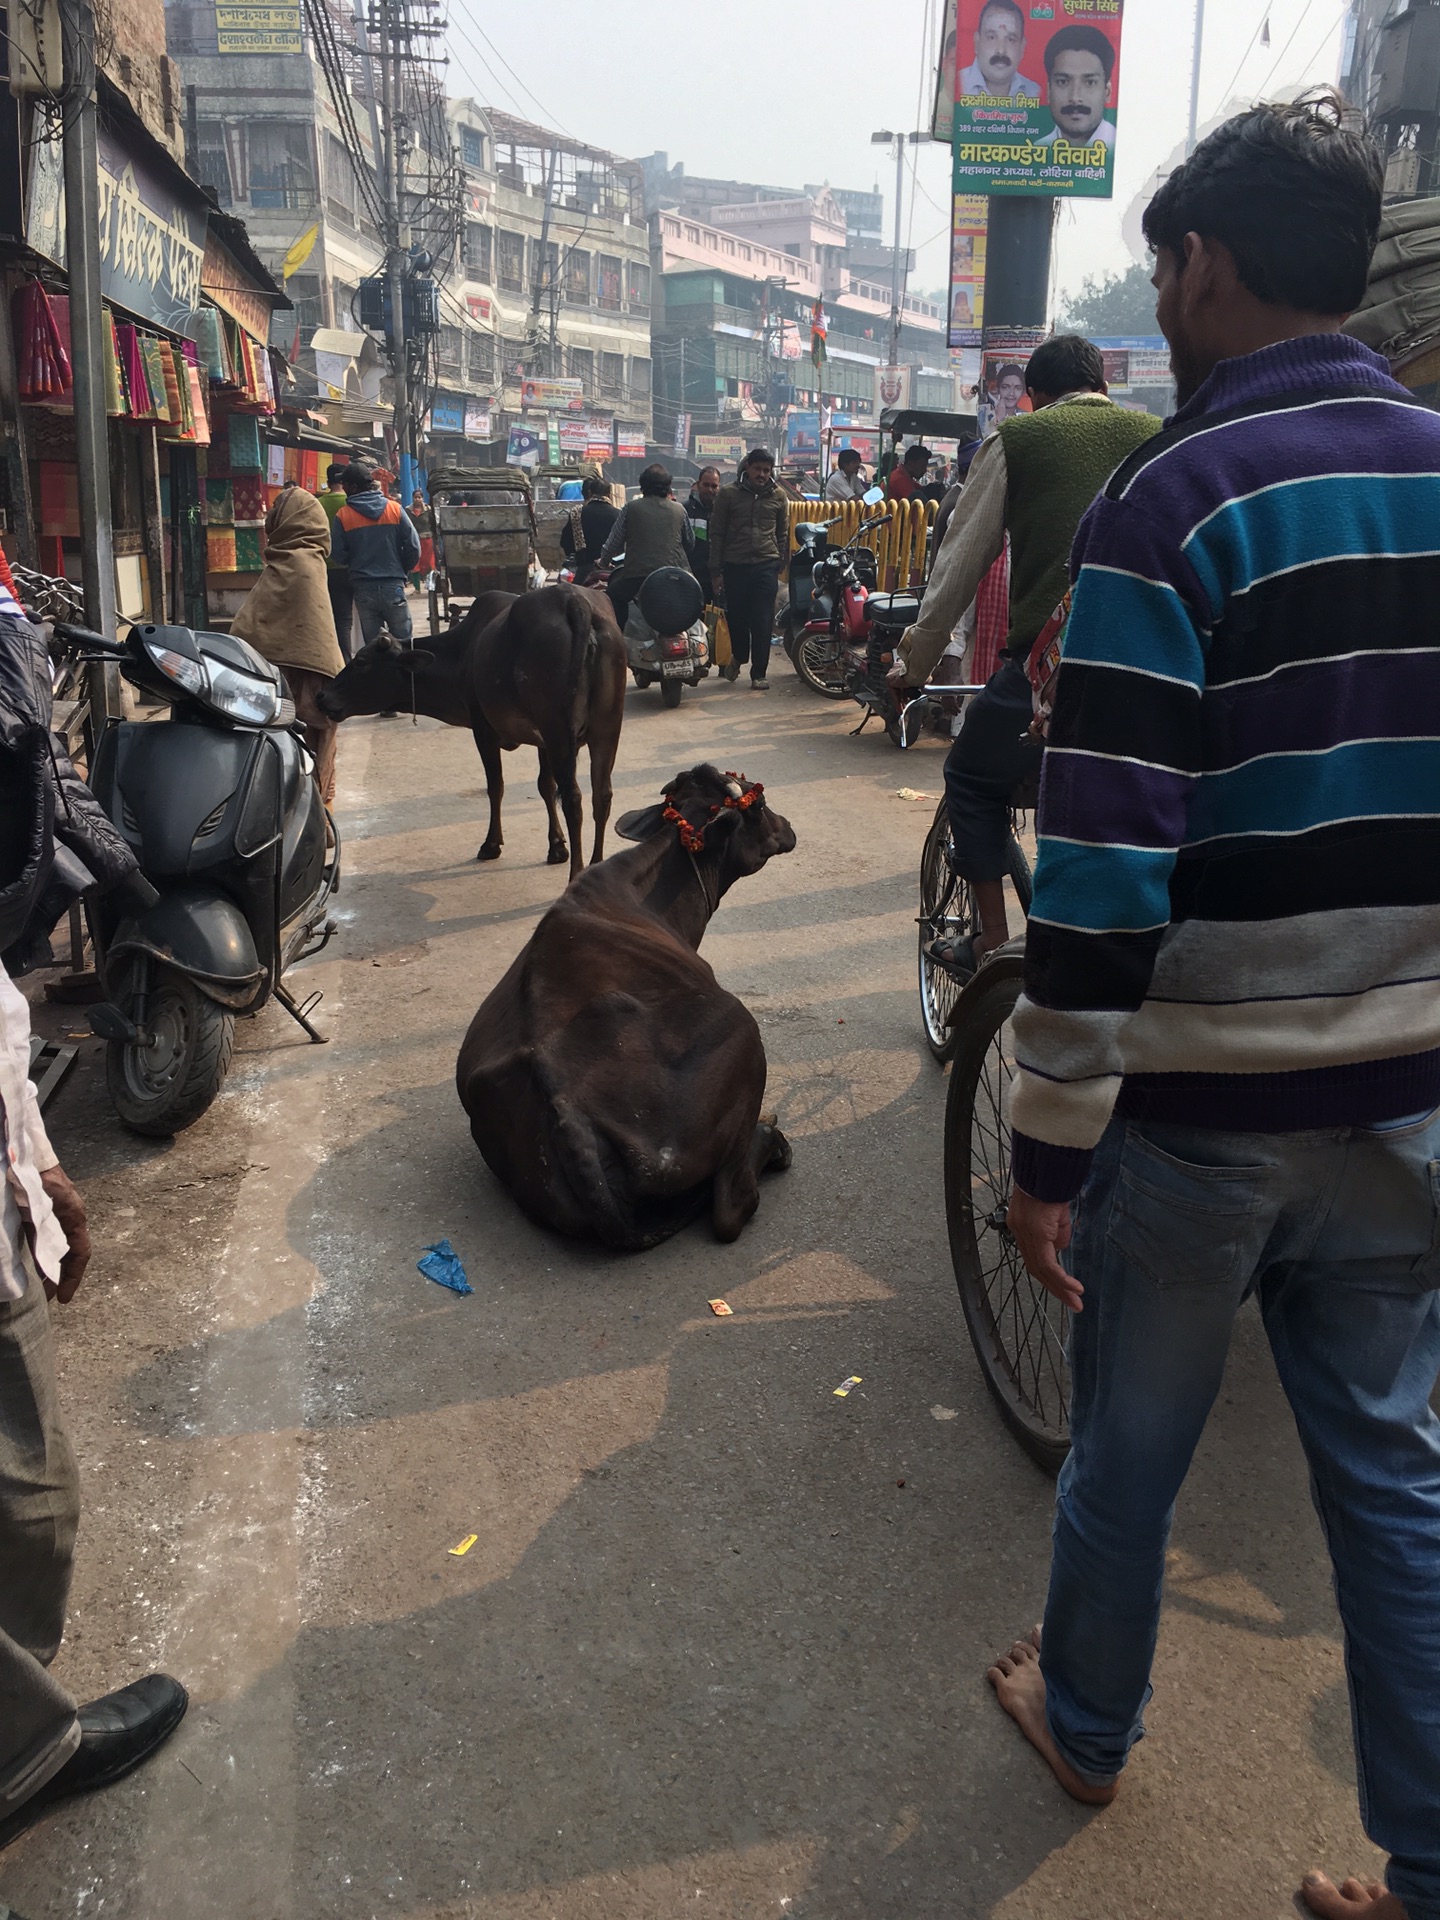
{"points": [[1188, 1225]]}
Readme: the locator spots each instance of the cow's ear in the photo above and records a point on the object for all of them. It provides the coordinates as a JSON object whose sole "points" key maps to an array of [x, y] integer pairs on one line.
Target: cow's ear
{"points": [[411, 659], [643, 824]]}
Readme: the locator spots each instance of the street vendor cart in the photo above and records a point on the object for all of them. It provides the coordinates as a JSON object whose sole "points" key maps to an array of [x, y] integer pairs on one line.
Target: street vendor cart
{"points": [[485, 535]]}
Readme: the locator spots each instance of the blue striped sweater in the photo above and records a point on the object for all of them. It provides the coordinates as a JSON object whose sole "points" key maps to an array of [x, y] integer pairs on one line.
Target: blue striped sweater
{"points": [[1236, 920]]}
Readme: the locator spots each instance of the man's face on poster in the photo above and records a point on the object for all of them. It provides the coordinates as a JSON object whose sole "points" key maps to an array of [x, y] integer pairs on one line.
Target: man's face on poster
{"points": [[1079, 94], [999, 48]]}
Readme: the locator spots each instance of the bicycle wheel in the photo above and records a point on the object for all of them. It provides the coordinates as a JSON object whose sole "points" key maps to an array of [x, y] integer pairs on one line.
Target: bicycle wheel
{"points": [[947, 909], [1017, 1329]]}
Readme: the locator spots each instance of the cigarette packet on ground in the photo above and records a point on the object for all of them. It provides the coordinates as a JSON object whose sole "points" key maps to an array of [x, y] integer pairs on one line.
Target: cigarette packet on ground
{"points": [[465, 1545], [720, 1308], [846, 1385]]}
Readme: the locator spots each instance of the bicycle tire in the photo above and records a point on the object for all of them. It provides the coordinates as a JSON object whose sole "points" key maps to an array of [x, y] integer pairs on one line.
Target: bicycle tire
{"points": [[1016, 1328], [947, 909]]}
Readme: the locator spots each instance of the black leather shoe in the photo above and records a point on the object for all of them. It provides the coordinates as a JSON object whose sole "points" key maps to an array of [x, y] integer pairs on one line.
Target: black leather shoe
{"points": [[117, 1732]]}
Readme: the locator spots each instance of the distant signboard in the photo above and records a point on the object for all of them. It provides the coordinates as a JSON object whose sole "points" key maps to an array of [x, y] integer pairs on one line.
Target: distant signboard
{"points": [[523, 448], [1142, 360], [447, 413], [719, 446], [477, 420], [629, 442], [563, 396], [246, 26], [1036, 89], [969, 228], [1003, 361], [574, 434]]}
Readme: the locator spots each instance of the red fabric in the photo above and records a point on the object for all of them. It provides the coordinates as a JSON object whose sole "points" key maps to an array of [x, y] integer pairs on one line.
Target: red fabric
{"points": [[901, 486], [7, 579], [992, 618]]}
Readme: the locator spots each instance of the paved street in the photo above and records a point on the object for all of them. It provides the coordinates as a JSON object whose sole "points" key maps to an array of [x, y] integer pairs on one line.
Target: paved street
{"points": [[719, 1648]]}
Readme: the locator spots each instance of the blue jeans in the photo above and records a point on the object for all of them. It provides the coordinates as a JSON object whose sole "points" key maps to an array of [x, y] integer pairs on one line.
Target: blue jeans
{"points": [[1338, 1234], [381, 603]]}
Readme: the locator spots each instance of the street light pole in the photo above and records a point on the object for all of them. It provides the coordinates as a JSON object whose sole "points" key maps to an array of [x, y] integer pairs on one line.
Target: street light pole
{"points": [[1195, 59], [895, 263]]}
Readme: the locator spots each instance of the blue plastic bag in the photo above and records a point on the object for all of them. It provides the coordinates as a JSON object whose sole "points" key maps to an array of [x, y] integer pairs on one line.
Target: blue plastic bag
{"points": [[442, 1265]]}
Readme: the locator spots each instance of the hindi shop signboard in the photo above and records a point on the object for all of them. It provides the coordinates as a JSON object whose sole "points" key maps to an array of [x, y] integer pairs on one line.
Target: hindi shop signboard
{"points": [[255, 26], [1037, 85]]}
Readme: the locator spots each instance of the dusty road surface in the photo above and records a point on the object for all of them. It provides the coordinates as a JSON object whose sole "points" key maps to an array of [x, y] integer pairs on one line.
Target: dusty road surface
{"points": [[719, 1647]]}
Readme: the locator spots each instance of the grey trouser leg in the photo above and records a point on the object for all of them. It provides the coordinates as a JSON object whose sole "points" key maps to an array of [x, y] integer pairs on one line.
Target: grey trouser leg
{"points": [[39, 1509]]}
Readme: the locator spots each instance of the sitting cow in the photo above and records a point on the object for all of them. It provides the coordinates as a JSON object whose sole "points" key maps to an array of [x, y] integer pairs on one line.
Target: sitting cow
{"points": [[546, 670], [612, 1084]]}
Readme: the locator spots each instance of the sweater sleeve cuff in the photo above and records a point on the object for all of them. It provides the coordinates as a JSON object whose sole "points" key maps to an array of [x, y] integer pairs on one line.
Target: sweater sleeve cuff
{"points": [[1051, 1174]]}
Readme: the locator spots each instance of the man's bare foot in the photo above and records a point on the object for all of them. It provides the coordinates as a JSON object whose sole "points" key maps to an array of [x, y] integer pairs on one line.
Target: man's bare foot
{"points": [[1364, 1898], [1020, 1688]]}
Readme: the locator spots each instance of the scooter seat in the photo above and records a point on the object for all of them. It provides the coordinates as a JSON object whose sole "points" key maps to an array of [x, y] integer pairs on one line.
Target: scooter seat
{"points": [[893, 609]]}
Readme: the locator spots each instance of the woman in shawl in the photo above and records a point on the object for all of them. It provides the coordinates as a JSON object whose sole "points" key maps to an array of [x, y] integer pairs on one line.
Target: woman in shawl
{"points": [[287, 617]]}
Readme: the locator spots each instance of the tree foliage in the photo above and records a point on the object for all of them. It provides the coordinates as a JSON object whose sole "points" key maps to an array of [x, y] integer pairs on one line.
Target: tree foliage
{"points": [[1118, 304]]}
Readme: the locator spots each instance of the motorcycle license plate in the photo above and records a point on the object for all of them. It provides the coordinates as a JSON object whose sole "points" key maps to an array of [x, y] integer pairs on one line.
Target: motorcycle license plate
{"points": [[670, 668]]}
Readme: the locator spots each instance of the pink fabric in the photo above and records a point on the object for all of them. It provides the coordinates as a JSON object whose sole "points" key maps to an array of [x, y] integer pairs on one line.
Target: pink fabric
{"points": [[992, 618]]}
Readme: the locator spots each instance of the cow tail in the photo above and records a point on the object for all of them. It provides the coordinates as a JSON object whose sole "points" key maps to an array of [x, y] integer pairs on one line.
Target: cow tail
{"points": [[583, 649], [580, 1164]]}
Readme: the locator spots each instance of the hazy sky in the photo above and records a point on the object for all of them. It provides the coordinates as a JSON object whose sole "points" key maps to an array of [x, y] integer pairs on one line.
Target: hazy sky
{"points": [[786, 94]]}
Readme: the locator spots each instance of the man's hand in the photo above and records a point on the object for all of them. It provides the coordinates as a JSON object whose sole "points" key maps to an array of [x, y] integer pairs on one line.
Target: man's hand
{"points": [[897, 673], [1042, 1230], [717, 592], [70, 1212]]}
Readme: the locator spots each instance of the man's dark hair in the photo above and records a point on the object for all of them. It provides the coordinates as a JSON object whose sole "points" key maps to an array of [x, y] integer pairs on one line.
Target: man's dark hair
{"points": [[848, 453], [1081, 40], [1292, 193], [333, 473], [924, 453], [1002, 6], [655, 480], [1066, 364], [592, 487], [757, 454], [703, 471], [358, 480]]}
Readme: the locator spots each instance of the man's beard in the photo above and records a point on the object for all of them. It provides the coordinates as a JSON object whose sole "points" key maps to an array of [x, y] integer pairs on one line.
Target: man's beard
{"points": [[1189, 375]]}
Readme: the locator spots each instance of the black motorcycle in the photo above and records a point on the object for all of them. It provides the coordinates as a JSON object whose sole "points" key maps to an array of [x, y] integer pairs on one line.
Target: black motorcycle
{"points": [[220, 806]]}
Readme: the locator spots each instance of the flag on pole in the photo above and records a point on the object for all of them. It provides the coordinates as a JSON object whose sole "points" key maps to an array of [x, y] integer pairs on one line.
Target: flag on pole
{"points": [[819, 327], [300, 252]]}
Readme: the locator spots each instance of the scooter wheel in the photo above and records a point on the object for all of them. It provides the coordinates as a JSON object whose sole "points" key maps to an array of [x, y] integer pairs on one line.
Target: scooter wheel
{"points": [[670, 692], [165, 1086], [642, 680]]}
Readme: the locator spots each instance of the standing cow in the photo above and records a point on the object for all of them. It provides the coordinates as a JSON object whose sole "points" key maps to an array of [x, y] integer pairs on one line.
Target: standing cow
{"points": [[544, 670], [612, 1084]]}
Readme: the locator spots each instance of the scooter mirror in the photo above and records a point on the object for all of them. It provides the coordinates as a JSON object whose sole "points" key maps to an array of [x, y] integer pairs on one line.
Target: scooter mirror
{"points": [[873, 497]]}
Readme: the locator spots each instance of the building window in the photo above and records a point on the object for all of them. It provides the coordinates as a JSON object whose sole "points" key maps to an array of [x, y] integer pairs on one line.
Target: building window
{"points": [[472, 146], [212, 163], [693, 234], [451, 347], [544, 264], [608, 289], [512, 361], [342, 190], [582, 367], [637, 286], [304, 290], [577, 277], [612, 373], [480, 356], [512, 262], [640, 379], [282, 171], [479, 249]]}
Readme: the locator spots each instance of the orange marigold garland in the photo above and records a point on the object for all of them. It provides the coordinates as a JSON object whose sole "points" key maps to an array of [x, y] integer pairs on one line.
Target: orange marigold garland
{"points": [[693, 838]]}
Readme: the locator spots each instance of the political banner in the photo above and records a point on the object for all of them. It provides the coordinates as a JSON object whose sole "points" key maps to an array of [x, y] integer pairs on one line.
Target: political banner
{"points": [[567, 396], [968, 229], [523, 448], [1003, 361], [1037, 84], [942, 120]]}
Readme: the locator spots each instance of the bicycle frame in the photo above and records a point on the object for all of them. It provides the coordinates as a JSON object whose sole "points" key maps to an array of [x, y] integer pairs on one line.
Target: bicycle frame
{"points": [[921, 695]]}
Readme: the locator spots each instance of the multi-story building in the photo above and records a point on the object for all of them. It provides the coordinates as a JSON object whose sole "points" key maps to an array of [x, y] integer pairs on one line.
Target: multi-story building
{"points": [[553, 283], [1390, 72]]}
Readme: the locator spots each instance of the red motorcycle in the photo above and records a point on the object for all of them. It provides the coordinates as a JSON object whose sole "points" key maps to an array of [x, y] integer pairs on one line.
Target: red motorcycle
{"points": [[827, 620]]}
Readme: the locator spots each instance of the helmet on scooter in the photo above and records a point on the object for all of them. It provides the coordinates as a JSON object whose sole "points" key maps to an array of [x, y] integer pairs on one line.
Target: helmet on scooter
{"points": [[671, 599]]}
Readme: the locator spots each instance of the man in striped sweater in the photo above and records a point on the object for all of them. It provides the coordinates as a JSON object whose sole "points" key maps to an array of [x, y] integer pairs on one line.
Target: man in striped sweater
{"points": [[1229, 1042]]}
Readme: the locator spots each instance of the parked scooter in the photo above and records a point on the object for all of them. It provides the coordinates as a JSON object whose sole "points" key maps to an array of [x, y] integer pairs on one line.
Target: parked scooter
{"points": [[665, 636], [220, 806]]}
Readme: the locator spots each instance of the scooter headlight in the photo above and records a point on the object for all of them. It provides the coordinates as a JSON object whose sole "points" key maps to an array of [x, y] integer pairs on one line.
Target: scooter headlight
{"points": [[254, 702], [186, 673]]}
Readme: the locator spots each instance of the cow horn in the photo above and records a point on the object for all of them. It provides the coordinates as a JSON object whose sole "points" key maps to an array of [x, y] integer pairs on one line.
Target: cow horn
{"points": [[734, 789]]}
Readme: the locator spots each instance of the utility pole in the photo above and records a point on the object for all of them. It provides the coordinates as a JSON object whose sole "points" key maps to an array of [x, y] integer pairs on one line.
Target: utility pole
{"points": [[396, 235], [1195, 60], [898, 272]]}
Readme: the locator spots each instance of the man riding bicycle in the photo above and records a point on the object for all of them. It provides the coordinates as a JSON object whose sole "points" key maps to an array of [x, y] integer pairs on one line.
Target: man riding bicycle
{"points": [[1032, 479]]}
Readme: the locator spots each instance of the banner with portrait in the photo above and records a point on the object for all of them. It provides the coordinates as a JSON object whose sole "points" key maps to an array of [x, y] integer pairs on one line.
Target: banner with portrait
{"points": [[1037, 88], [968, 229], [1003, 360]]}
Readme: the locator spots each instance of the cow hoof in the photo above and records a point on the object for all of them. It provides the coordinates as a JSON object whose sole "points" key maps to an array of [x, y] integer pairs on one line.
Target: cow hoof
{"points": [[558, 854], [781, 1155], [487, 852]]}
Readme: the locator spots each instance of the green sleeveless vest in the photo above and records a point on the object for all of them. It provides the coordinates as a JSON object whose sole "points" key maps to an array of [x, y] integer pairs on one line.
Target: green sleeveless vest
{"points": [[1057, 461]]}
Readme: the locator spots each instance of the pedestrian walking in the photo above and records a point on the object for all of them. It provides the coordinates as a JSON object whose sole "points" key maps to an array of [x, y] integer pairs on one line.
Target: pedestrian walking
{"points": [[699, 506], [50, 1748], [286, 616], [1228, 1046], [377, 544], [423, 520], [337, 574], [749, 540]]}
